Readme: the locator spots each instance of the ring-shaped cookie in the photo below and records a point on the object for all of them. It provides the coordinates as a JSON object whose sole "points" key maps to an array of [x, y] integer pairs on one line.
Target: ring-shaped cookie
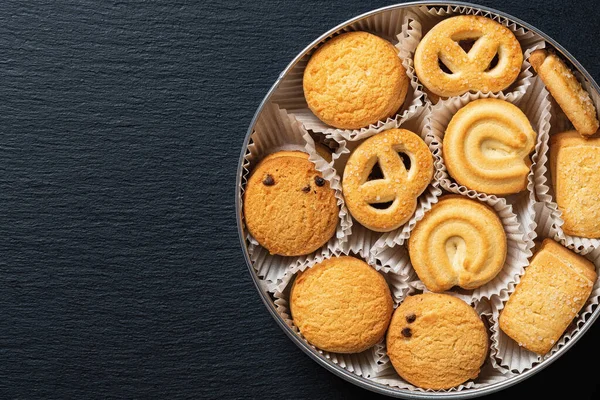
{"points": [[459, 242]]}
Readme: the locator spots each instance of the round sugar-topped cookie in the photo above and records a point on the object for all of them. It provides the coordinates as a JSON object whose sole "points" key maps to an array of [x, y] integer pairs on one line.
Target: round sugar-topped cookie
{"points": [[341, 305], [354, 80]]}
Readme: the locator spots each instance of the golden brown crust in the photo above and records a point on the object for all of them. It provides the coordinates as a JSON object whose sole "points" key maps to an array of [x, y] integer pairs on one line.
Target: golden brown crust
{"points": [[469, 69], [399, 186], [554, 288], [354, 80], [486, 147], [444, 346], [459, 242], [341, 305], [566, 90], [574, 165], [285, 209]]}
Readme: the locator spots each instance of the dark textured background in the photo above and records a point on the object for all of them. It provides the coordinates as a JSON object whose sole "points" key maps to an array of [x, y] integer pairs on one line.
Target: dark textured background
{"points": [[121, 124]]}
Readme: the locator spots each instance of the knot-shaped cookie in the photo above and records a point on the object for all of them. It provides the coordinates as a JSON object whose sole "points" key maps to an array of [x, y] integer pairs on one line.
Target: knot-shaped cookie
{"points": [[486, 147], [459, 242], [471, 70], [384, 176]]}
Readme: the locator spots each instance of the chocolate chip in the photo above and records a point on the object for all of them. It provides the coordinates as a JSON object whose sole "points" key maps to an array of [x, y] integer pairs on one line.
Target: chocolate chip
{"points": [[406, 332], [306, 189], [319, 181], [410, 318], [269, 181]]}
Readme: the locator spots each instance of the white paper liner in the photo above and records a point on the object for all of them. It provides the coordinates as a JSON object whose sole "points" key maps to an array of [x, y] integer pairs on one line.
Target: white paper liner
{"points": [[368, 363], [374, 242], [424, 18], [276, 130], [508, 352], [290, 94], [543, 177]]}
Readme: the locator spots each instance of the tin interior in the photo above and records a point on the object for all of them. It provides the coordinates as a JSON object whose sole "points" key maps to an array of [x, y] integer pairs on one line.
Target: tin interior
{"points": [[266, 297]]}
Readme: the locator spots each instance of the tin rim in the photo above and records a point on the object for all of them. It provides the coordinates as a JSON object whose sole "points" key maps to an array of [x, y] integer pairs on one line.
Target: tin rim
{"points": [[265, 297]]}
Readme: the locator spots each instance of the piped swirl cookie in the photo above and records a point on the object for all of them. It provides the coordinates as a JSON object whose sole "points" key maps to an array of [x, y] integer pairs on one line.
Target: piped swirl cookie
{"points": [[341, 305], [354, 80], [459, 242], [471, 70], [486, 147], [289, 208], [566, 90], [436, 341], [384, 176]]}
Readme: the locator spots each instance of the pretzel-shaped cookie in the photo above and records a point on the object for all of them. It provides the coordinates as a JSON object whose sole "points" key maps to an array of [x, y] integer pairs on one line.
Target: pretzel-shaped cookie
{"points": [[459, 242], [404, 179], [469, 70], [486, 147]]}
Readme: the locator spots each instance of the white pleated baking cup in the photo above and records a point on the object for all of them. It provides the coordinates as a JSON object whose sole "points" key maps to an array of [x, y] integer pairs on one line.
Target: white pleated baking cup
{"points": [[290, 93], [378, 242], [368, 363], [423, 18], [543, 176], [519, 247], [275, 130], [516, 358], [490, 373]]}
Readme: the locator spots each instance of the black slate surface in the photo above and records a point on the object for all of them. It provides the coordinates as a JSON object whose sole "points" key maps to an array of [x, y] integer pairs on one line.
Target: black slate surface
{"points": [[121, 123]]}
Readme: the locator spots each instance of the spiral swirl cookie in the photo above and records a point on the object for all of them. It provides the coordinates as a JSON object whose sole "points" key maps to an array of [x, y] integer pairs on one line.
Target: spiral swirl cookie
{"points": [[354, 80], [436, 341], [459, 242], [341, 305], [383, 203], [472, 70], [486, 147], [566, 90], [288, 207]]}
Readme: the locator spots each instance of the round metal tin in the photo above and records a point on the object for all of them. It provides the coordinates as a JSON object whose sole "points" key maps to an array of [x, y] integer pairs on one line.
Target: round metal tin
{"points": [[336, 369]]}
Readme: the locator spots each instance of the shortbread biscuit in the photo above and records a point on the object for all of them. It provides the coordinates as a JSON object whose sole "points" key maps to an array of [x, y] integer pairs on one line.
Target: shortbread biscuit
{"points": [[354, 80], [387, 202], [566, 90], [554, 288], [341, 305], [289, 208], [575, 167], [436, 341], [486, 147], [468, 71], [459, 242]]}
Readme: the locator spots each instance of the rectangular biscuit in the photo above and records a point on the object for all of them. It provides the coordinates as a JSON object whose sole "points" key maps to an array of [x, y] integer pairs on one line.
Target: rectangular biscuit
{"points": [[554, 288], [574, 164]]}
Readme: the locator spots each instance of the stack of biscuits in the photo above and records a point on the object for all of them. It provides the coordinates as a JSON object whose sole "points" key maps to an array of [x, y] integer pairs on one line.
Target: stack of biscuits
{"points": [[433, 333]]}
